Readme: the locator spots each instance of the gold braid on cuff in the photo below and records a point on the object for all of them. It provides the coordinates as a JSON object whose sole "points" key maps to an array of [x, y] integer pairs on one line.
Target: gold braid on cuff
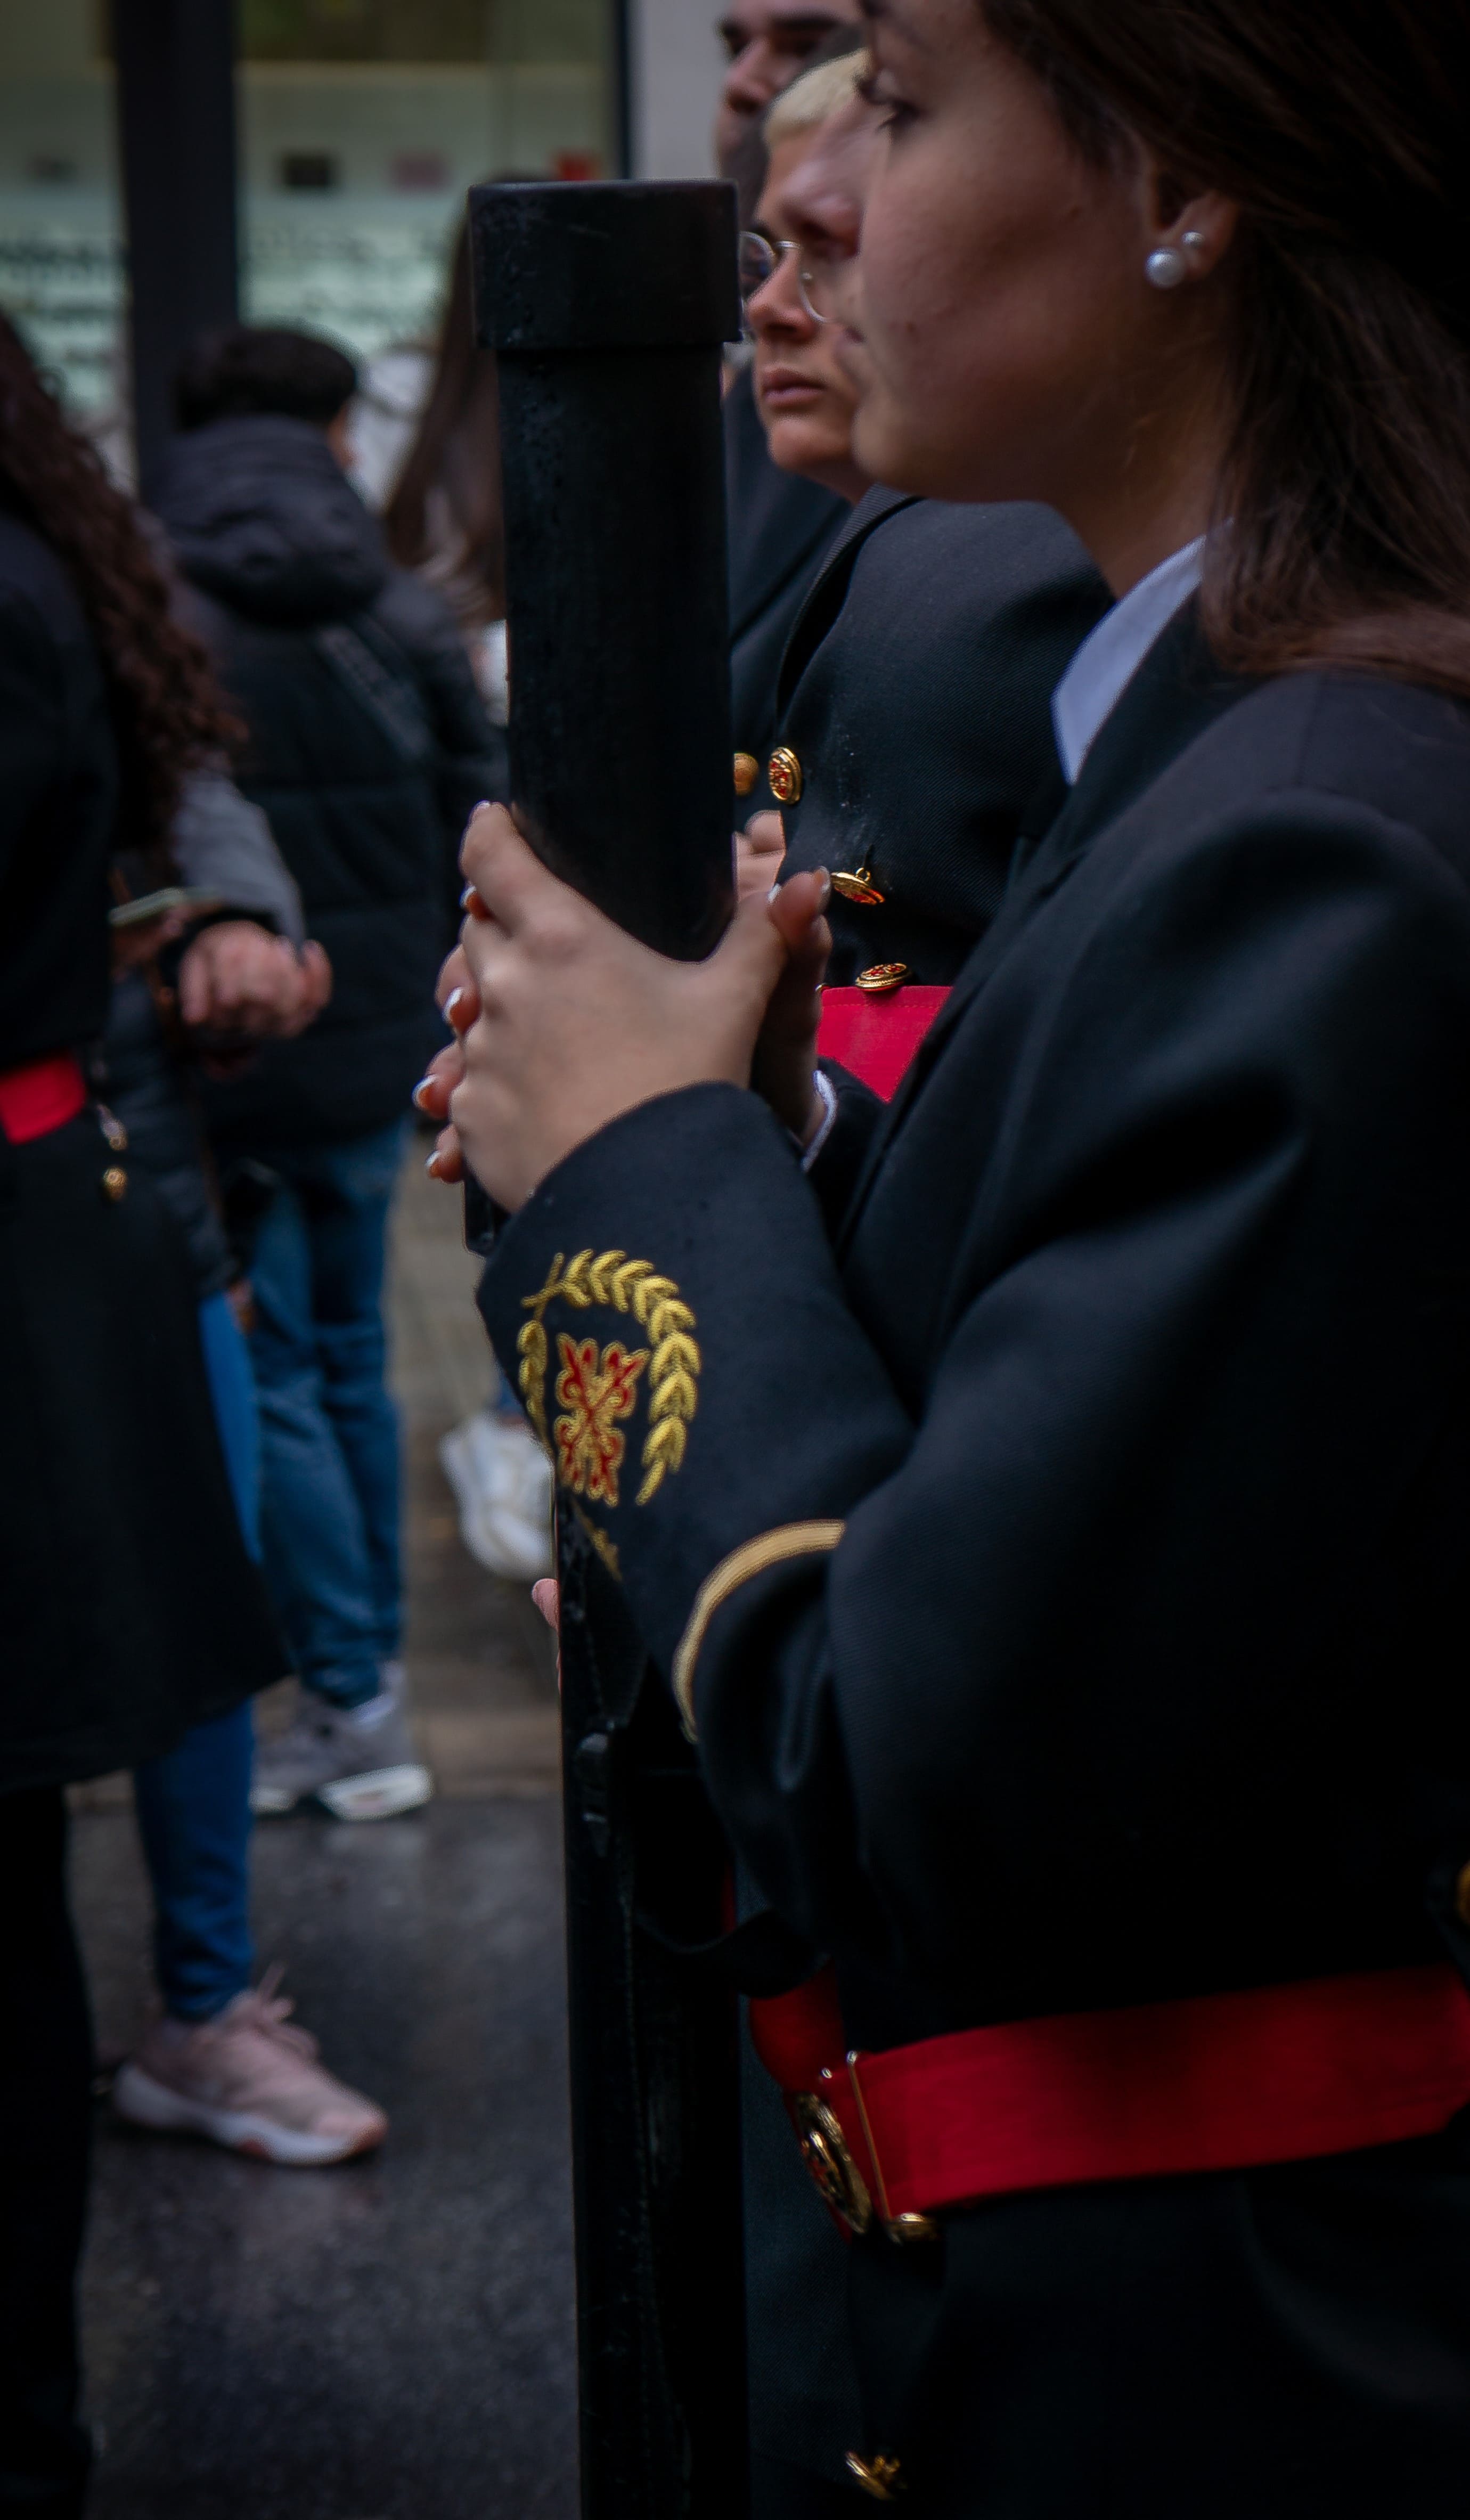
{"points": [[752, 1558]]}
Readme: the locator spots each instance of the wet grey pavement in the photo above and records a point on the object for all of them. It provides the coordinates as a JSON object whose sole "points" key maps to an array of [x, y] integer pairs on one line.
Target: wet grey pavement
{"points": [[389, 2340]]}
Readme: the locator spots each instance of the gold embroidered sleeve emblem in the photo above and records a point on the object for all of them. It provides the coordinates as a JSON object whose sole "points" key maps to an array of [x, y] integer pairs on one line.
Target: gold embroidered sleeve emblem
{"points": [[671, 1359], [594, 1388]]}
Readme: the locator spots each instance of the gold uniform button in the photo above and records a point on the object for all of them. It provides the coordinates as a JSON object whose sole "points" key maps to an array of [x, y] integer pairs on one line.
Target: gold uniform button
{"points": [[838, 2180], [880, 2476], [747, 771], [858, 887], [880, 979], [783, 771], [912, 2227], [114, 1181]]}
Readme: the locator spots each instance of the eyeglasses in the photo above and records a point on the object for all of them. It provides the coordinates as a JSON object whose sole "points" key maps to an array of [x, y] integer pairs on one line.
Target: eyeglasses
{"points": [[760, 261]]}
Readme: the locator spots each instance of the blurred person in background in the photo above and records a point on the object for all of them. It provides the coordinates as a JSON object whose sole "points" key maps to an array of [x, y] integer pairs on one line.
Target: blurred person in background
{"points": [[805, 397], [218, 2057], [783, 522], [802, 403], [132, 1611], [769, 43], [367, 745], [444, 520]]}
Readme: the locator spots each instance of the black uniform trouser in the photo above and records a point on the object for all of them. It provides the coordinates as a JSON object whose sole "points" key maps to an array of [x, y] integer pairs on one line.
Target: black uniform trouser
{"points": [[780, 2490], [1280, 2344], [45, 2096]]}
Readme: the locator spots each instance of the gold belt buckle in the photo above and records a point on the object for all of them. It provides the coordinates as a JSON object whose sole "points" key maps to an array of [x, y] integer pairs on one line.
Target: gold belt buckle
{"points": [[838, 2180]]}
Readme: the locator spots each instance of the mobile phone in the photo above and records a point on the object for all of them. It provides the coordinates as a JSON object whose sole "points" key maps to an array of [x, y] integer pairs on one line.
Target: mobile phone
{"points": [[157, 905]]}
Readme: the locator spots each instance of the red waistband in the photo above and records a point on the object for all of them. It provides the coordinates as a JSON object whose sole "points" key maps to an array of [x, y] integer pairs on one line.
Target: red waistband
{"points": [[42, 1096], [876, 1037], [1216, 2081]]}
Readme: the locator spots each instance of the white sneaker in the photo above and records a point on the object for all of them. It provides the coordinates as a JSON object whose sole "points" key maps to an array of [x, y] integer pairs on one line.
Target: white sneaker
{"points": [[502, 1482], [248, 2080], [357, 1760]]}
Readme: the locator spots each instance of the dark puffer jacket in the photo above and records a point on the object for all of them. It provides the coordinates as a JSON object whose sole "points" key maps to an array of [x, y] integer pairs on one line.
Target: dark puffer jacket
{"points": [[367, 747], [222, 845]]}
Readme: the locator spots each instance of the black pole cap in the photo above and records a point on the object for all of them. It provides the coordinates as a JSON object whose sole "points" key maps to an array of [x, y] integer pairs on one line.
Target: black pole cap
{"points": [[605, 266]]}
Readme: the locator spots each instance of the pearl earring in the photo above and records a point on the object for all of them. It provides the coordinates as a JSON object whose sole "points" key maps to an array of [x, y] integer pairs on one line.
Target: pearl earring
{"points": [[1166, 267], [1169, 264]]}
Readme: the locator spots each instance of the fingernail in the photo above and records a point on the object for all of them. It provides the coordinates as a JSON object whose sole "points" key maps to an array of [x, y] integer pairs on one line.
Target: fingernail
{"points": [[826, 893], [467, 896], [417, 1097], [432, 1166], [483, 807], [450, 1004], [774, 893]]}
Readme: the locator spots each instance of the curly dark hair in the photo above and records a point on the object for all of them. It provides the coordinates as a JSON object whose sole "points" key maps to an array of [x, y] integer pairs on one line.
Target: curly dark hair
{"points": [[168, 708]]}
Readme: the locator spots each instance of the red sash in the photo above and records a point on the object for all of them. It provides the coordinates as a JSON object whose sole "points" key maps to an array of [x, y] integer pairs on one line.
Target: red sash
{"points": [[40, 1096], [876, 1037], [1207, 2083]]}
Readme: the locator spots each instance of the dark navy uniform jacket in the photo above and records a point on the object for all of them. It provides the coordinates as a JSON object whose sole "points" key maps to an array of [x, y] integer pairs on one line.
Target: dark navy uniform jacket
{"points": [[915, 698], [780, 527], [1060, 1555]]}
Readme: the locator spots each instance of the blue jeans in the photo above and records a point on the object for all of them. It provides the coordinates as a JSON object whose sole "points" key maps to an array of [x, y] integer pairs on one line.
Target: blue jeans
{"points": [[329, 1487], [194, 1804]]}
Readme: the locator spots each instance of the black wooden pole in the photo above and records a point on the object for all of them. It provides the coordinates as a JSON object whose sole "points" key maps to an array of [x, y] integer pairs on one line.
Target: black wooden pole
{"points": [[176, 128], [608, 305]]}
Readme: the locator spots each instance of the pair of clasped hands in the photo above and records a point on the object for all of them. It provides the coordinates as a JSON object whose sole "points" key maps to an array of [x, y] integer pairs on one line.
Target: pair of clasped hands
{"points": [[237, 983], [562, 1022]]}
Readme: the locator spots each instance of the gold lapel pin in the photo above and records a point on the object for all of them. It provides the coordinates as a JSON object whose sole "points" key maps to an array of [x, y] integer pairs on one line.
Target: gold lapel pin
{"points": [[858, 888], [880, 979]]}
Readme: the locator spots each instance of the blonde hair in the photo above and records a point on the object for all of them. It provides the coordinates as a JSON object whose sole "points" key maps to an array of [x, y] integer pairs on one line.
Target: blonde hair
{"points": [[813, 97]]}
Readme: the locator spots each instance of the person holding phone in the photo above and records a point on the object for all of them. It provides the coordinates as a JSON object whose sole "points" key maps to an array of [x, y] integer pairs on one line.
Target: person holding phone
{"points": [[216, 2056], [367, 745]]}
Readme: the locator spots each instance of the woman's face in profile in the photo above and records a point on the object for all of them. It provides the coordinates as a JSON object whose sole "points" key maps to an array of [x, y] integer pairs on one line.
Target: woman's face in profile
{"points": [[1000, 316], [804, 395]]}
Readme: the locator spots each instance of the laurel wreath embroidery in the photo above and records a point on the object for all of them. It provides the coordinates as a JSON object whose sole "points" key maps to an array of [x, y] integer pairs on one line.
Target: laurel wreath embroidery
{"points": [[633, 1286]]}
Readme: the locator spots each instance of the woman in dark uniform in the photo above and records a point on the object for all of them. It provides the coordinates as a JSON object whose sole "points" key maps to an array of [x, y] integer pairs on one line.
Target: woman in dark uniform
{"points": [[1063, 1568], [129, 1611]]}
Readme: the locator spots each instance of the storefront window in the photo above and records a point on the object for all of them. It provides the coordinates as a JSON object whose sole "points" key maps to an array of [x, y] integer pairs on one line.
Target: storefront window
{"points": [[363, 123], [61, 250]]}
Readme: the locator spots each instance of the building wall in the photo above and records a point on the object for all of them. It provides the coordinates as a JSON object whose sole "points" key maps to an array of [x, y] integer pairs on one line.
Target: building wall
{"points": [[676, 60]]}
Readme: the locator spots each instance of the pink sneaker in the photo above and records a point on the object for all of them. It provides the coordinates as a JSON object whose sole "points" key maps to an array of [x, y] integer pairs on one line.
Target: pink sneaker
{"points": [[248, 2080]]}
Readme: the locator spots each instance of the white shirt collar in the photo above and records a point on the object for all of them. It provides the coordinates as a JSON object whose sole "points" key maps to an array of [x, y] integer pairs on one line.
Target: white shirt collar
{"points": [[1110, 655]]}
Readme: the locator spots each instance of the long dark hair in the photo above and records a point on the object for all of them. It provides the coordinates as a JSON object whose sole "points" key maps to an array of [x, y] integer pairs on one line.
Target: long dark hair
{"points": [[167, 709], [453, 468], [1339, 126]]}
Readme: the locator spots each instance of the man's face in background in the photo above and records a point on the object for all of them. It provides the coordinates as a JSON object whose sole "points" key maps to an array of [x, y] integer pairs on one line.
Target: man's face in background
{"points": [[769, 43]]}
